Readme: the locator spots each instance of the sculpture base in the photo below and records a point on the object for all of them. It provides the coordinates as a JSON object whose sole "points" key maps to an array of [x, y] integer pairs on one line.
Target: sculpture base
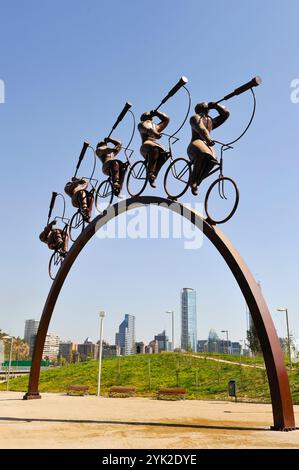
{"points": [[283, 429], [32, 396]]}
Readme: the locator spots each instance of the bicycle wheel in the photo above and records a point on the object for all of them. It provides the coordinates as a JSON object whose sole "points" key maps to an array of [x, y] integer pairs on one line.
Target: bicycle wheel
{"points": [[77, 225], [137, 178], [177, 178], [221, 200], [104, 195], [54, 264]]}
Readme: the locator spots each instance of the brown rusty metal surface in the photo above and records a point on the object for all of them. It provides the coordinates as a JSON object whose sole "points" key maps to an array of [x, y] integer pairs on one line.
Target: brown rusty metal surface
{"points": [[282, 406]]}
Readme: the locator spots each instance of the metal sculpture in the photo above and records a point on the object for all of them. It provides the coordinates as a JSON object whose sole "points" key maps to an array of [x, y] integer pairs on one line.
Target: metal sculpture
{"points": [[283, 414], [200, 150], [154, 153], [81, 191], [181, 173], [56, 238], [115, 169]]}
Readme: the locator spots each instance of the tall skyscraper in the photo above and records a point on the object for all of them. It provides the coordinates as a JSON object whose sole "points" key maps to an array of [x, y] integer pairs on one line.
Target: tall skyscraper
{"points": [[189, 319], [125, 338], [31, 327]]}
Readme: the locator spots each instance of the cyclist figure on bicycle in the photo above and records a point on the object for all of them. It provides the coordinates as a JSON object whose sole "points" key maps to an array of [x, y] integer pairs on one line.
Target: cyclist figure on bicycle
{"points": [[81, 198], [153, 152], [55, 238], [112, 167], [200, 149]]}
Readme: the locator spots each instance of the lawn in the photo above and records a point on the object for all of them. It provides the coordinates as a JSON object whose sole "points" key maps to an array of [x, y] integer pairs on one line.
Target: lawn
{"points": [[203, 378]]}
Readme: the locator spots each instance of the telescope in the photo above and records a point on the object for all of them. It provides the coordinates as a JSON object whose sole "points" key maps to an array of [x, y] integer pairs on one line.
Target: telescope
{"points": [[81, 156], [126, 108], [53, 199], [256, 81], [182, 82]]}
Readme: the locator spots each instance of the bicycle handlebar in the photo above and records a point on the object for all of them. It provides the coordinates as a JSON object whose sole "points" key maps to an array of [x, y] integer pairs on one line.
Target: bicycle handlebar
{"points": [[170, 137], [65, 220], [223, 144]]}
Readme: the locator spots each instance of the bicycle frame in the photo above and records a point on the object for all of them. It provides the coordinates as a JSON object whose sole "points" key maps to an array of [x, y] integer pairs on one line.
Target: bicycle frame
{"points": [[219, 168], [128, 157], [170, 137]]}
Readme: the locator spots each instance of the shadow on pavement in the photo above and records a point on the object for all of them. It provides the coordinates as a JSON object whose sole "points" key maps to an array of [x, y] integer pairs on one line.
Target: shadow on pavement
{"points": [[134, 423]]}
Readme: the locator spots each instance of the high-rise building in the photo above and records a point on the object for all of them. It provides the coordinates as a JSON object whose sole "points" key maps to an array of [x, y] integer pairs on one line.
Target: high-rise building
{"points": [[31, 327], [88, 349], [109, 350], [163, 342], [51, 348], [188, 319], [67, 350], [125, 338]]}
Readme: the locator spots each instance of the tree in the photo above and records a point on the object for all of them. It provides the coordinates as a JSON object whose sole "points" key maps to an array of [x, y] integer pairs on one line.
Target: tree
{"points": [[253, 341], [20, 349]]}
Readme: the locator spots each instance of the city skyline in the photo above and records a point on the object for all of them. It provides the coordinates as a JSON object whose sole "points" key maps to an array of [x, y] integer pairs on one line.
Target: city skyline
{"points": [[55, 345], [148, 273], [31, 324]]}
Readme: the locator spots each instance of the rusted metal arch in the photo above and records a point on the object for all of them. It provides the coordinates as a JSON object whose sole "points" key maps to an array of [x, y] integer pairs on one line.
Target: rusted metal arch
{"points": [[282, 406]]}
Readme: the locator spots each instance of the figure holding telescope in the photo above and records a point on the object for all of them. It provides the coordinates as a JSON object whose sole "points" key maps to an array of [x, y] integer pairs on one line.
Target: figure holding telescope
{"points": [[55, 238], [152, 151], [200, 149], [77, 190], [111, 166], [81, 198]]}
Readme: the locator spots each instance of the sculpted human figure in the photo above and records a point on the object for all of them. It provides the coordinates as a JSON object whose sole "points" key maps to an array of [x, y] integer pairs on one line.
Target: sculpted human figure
{"points": [[55, 238], [153, 152], [111, 166], [81, 198], [200, 149]]}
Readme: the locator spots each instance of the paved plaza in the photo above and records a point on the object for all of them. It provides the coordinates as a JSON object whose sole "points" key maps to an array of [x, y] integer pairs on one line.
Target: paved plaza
{"points": [[60, 421]]}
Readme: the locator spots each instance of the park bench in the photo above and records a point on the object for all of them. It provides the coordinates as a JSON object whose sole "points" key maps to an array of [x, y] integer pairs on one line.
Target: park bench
{"points": [[122, 392], [175, 392], [77, 390]]}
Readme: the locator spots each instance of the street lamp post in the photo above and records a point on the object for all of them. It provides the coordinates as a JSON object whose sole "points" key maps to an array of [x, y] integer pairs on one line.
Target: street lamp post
{"points": [[102, 316], [9, 362], [226, 331], [284, 309], [172, 327], [242, 347]]}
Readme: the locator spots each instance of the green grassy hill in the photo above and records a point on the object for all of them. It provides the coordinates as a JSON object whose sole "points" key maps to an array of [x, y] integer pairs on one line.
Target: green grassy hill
{"points": [[203, 378]]}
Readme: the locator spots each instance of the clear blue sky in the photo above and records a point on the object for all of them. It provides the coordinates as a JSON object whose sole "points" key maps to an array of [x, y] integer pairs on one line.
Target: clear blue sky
{"points": [[68, 68]]}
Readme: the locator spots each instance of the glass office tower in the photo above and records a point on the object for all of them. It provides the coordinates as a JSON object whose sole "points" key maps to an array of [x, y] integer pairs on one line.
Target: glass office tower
{"points": [[189, 319]]}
